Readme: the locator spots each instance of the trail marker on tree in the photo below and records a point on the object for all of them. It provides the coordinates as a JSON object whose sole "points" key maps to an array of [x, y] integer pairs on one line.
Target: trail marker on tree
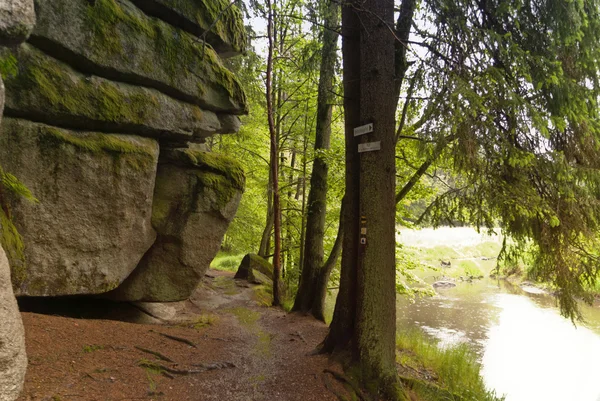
{"points": [[369, 147], [363, 129]]}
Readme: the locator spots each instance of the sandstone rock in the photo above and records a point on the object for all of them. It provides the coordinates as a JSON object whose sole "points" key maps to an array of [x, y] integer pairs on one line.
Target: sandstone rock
{"points": [[217, 21], [157, 310], [13, 360], [92, 224], [17, 18], [250, 265], [444, 284], [115, 40], [195, 198], [49, 91]]}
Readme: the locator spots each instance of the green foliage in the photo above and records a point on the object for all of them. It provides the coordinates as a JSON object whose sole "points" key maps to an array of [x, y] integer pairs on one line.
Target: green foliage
{"points": [[10, 239], [10, 183], [12, 243], [512, 98], [408, 283], [456, 368], [8, 66], [226, 262]]}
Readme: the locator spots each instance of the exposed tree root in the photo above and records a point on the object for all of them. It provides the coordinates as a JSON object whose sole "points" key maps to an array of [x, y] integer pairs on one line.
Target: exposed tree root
{"points": [[184, 372], [155, 353], [353, 386], [299, 335], [331, 389], [175, 338]]}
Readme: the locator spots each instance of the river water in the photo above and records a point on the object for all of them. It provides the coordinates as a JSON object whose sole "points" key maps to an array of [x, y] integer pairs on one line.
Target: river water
{"points": [[527, 350]]}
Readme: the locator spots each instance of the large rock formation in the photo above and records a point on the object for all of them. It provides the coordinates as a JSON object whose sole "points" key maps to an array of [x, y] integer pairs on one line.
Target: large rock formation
{"points": [[13, 360], [195, 199], [92, 222], [17, 18], [98, 92]]}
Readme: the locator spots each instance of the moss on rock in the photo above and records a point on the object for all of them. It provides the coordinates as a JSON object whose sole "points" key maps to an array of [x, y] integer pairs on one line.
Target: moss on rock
{"points": [[116, 35], [220, 164], [217, 21], [141, 155], [52, 92]]}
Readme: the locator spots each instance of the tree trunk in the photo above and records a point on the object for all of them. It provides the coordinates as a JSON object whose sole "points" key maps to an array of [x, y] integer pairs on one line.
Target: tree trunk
{"points": [[322, 279], [376, 274], [365, 314], [274, 161], [341, 329], [308, 293]]}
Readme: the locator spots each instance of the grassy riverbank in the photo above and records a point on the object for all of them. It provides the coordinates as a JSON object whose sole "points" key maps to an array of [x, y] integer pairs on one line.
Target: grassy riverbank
{"points": [[437, 373]]}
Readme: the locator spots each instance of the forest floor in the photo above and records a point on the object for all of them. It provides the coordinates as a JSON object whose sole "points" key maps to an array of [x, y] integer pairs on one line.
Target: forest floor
{"points": [[221, 344]]}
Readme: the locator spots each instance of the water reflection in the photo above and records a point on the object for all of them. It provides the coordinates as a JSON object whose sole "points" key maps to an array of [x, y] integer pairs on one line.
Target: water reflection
{"points": [[527, 350]]}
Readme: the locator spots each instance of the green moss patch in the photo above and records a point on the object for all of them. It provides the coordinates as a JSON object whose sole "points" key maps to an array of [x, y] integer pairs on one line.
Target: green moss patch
{"points": [[215, 17], [66, 93], [139, 156], [216, 163], [177, 53], [12, 243]]}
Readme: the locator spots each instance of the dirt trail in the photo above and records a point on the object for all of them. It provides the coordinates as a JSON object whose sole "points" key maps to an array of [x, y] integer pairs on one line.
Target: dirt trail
{"points": [[241, 351]]}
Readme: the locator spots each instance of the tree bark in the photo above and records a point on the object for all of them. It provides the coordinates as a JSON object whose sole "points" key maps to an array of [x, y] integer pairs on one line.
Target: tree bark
{"points": [[274, 160], [341, 329], [365, 314], [307, 297], [322, 279], [376, 274]]}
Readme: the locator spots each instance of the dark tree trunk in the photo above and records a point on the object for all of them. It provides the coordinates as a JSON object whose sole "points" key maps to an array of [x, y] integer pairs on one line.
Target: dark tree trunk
{"points": [[365, 313], [307, 298], [376, 275], [341, 329]]}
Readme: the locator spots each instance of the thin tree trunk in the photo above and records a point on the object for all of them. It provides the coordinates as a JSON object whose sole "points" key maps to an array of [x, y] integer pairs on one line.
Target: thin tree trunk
{"points": [[265, 242], [303, 189], [274, 161], [341, 329], [308, 292], [322, 280]]}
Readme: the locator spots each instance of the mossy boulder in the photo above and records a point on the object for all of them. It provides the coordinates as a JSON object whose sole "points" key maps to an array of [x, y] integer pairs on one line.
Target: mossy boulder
{"points": [[116, 40], [13, 360], [195, 198], [255, 269], [17, 18], [92, 224], [218, 22], [49, 91]]}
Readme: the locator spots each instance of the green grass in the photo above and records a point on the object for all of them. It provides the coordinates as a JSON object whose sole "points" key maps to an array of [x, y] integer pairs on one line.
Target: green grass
{"points": [[200, 322], [227, 261], [91, 348], [466, 261], [434, 254], [245, 316], [455, 370]]}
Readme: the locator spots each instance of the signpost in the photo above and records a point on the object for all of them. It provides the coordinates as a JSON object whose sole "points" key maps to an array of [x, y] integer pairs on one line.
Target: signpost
{"points": [[369, 147], [363, 129]]}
